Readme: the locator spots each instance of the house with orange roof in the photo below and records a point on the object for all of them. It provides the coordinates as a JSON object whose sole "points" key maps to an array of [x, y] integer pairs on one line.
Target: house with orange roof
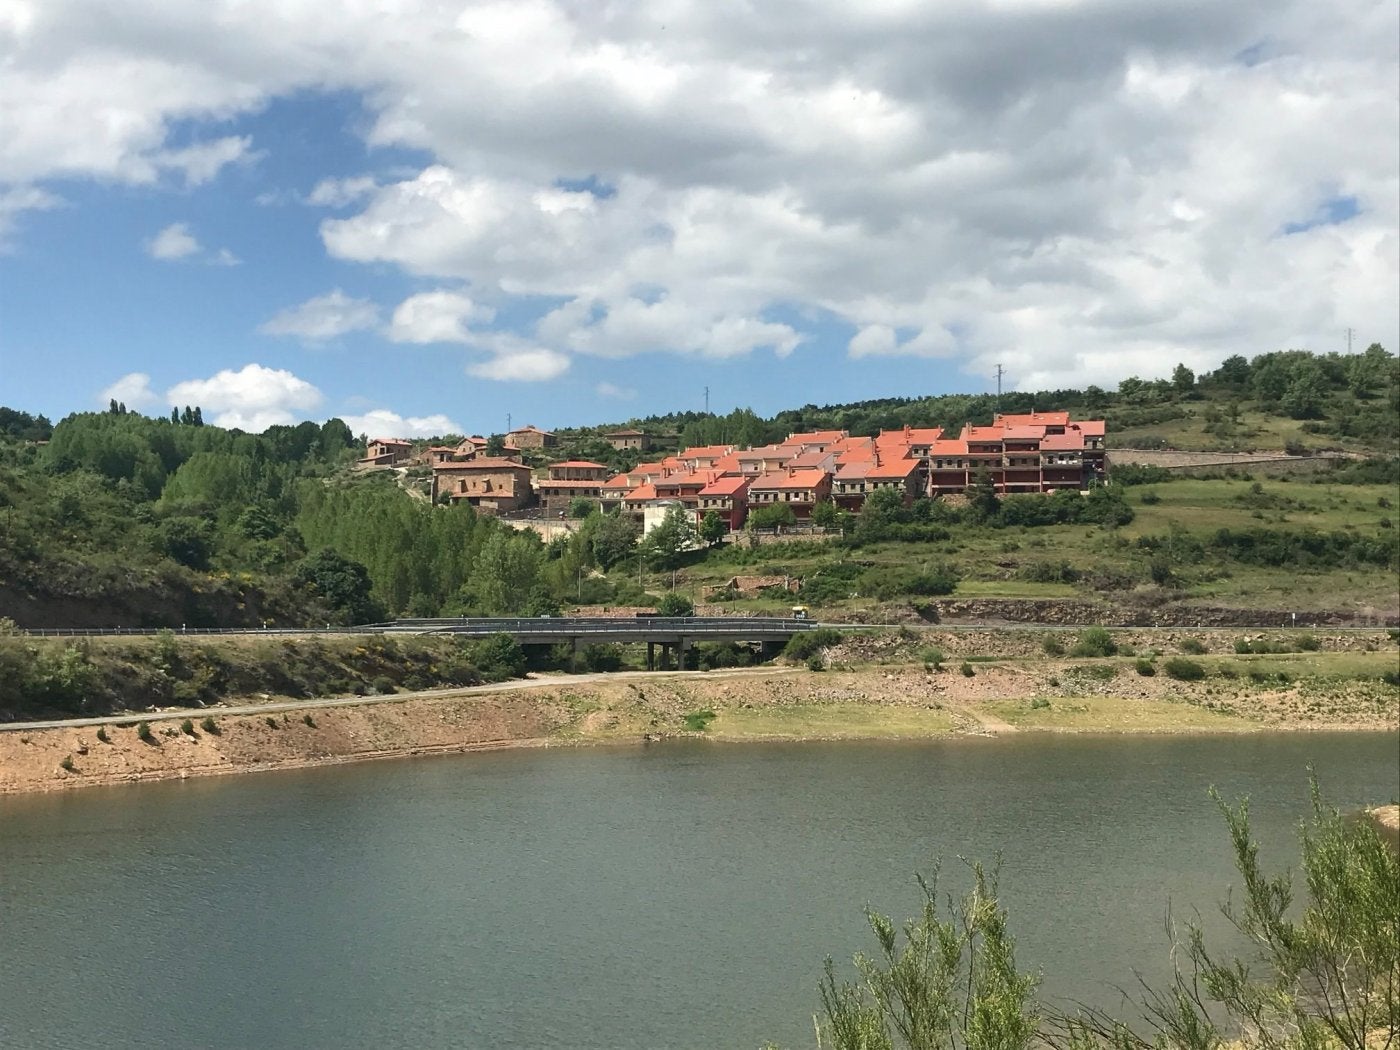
{"points": [[570, 480], [385, 452], [531, 437], [903, 474], [800, 489], [765, 458], [491, 484], [628, 438], [703, 456], [821, 440], [728, 496]]}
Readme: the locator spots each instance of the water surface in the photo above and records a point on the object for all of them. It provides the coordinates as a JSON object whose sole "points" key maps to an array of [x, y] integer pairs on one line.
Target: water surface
{"points": [[673, 896]]}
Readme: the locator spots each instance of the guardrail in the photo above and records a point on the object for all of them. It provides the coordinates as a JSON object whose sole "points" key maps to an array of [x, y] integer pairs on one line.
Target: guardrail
{"points": [[520, 625]]}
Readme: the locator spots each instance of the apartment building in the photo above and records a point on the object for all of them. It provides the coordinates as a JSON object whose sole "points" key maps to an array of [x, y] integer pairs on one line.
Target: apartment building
{"points": [[570, 480], [491, 484]]}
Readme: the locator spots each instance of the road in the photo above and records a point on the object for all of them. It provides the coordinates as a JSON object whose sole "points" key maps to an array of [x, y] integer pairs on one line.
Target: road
{"points": [[514, 685]]}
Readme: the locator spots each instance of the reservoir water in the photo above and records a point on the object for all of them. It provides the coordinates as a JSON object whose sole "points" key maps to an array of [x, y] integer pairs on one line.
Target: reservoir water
{"points": [[682, 895]]}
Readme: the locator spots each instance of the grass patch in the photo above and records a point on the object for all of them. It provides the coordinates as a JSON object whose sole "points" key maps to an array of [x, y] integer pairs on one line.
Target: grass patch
{"points": [[830, 721], [699, 721], [1110, 713]]}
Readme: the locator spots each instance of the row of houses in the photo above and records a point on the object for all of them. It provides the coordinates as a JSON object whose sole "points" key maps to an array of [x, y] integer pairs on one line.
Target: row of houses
{"points": [[394, 452], [1029, 452]]}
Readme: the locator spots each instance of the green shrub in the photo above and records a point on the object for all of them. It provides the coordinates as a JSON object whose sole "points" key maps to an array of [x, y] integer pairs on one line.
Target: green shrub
{"points": [[383, 685], [271, 722], [1145, 668], [933, 658], [699, 721], [1040, 703], [673, 604], [1095, 642], [804, 643], [187, 727], [601, 657], [1052, 646], [816, 662], [1184, 670], [67, 764], [967, 669], [1390, 677], [209, 725], [1307, 643], [102, 735], [1194, 646], [308, 720], [144, 734]]}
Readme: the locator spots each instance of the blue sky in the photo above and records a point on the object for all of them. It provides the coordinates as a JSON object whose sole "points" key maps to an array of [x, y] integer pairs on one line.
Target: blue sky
{"points": [[432, 221]]}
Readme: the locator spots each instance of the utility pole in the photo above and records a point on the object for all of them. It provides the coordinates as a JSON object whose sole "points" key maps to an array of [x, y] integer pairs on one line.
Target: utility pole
{"points": [[1349, 335], [1000, 373], [707, 391]]}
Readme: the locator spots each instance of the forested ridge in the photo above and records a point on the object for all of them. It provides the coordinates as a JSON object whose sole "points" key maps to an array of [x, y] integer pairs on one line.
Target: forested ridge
{"points": [[118, 519]]}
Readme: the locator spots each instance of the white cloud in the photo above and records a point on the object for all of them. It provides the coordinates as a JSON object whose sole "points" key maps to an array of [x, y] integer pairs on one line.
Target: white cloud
{"points": [[323, 317], [339, 193], [224, 257], [1074, 191], [19, 199], [173, 243], [436, 317], [612, 390], [380, 422], [525, 365], [252, 398], [132, 390]]}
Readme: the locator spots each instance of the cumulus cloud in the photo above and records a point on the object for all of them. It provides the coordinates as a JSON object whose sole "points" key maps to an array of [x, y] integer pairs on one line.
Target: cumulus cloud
{"points": [[323, 317], [528, 365], [612, 390], [173, 243], [18, 199], [252, 398], [132, 390], [339, 193], [436, 317], [380, 422], [1074, 191]]}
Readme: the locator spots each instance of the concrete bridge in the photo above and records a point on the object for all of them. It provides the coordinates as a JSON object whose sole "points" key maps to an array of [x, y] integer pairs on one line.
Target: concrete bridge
{"points": [[674, 634]]}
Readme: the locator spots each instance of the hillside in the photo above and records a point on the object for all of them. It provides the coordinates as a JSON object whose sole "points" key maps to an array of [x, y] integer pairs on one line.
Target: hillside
{"points": [[115, 518]]}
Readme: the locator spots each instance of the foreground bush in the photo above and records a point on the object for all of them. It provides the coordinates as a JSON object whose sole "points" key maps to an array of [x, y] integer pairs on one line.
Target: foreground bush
{"points": [[1322, 975]]}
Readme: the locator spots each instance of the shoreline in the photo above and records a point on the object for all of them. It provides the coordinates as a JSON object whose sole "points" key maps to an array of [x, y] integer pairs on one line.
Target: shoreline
{"points": [[764, 705]]}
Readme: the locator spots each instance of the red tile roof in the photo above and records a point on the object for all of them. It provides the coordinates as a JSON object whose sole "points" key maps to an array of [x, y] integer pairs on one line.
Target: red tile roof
{"points": [[815, 437], [705, 452], [622, 483], [1023, 433], [728, 485], [892, 468], [391, 441], [483, 463], [560, 483], [1013, 419], [581, 463], [1070, 440], [644, 491], [949, 447], [783, 479], [1089, 427]]}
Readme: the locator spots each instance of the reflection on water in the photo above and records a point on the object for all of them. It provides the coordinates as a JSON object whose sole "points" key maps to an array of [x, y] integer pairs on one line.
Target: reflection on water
{"points": [[673, 896]]}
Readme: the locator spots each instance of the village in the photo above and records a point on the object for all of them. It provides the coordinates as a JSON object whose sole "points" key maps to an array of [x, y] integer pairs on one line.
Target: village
{"points": [[1020, 453]]}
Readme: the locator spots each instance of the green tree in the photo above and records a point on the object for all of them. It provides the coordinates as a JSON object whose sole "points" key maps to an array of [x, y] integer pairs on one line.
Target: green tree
{"points": [[342, 582], [982, 499], [1183, 379], [496, 445], [675, 604], [712, 528], [581, 507], [613, 539], [666, 543], [771, 516], [826, 514], [507, 571]]}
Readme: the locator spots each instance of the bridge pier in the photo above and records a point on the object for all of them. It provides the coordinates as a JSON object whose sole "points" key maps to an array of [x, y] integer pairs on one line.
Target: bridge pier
{"points": [[573, 655], [651, 656], [681, 646]]}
